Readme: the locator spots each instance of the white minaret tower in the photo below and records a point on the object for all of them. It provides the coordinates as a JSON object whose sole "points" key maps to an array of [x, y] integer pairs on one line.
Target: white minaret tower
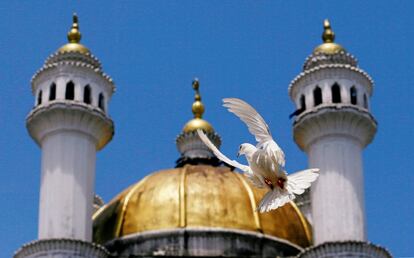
{"points": [[333, 125], [70, 123]]}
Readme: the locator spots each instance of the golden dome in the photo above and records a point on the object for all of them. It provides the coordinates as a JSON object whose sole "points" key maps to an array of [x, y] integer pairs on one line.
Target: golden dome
{"points": [[328, 37], [198, 110], [198, 196], [74, 37]]}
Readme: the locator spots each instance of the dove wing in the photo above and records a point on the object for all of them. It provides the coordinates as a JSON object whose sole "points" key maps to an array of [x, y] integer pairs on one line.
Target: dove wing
{"points": [[246, 169], [298, 182], [255, 180], [257, 126], [220, 155], [275, 199]]}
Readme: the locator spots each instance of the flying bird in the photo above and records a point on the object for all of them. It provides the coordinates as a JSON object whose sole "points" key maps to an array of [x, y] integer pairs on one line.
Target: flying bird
{"points": [[266, 160]]}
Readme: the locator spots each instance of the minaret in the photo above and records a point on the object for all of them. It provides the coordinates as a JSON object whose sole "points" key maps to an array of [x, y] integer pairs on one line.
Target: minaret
{"points": [[333, 125], [70, 123]]}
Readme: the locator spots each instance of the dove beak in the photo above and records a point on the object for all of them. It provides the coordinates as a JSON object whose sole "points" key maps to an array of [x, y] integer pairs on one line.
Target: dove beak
{"points": [[238, 154]]}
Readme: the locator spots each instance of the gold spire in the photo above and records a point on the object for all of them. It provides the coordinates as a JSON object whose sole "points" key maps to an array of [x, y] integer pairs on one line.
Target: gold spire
{"points": [[328, 37], [198, 109], [74, 37]]}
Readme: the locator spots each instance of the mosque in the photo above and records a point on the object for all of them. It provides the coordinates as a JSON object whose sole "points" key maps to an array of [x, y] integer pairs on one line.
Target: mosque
{"points": [[190, 210]]}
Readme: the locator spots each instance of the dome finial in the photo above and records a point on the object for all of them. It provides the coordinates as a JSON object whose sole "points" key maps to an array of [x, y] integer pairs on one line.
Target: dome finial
{"points": [[74, 35], [192, 149], [328, 36], [198, 107]]}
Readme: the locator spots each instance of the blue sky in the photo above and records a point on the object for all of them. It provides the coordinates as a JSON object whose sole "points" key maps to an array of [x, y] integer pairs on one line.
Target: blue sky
{"points": [[245, 49]]}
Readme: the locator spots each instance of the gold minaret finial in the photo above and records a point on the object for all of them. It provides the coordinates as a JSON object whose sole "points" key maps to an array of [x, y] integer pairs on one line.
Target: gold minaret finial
{"points": [[74, 35], [328, 36], [328, 47], [198, 107]]}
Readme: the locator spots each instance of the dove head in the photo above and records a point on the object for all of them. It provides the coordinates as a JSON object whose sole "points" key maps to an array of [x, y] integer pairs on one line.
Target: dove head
{"points": [[246, 149]]}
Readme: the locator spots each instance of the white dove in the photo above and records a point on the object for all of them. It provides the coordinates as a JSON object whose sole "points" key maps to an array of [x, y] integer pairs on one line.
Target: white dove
{"points": [[266, 160]]}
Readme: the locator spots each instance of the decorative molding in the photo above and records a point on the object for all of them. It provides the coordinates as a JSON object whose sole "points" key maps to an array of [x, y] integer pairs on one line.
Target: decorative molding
{"points": [[316, 59], [74, 56], [73, 59], [330, 71], [190, 145], [70, 115], [202, 242], [61, 248], [334, 120], [345, 249]]}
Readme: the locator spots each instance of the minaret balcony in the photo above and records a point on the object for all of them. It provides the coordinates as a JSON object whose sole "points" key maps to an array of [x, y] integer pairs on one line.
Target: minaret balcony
{"points": [[70, 115], [327, 120]]}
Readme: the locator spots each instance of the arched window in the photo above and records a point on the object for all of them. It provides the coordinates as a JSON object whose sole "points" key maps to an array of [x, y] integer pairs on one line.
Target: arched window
{"points": [[101, 101], [353, 93], [302, 103], [39, 97], [52, 92], [317, 96], [365, 101], [336, 93], [70, 91], [87, 95]]}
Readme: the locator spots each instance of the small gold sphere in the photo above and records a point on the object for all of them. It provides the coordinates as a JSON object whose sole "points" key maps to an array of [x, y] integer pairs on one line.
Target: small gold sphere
{"points": [[198, 109], [74, 36]]}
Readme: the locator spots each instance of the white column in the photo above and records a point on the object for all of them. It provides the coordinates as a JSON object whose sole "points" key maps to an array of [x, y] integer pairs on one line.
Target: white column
{"points": [[79, 92], [338, 194], [67, 185], [334, 140]]}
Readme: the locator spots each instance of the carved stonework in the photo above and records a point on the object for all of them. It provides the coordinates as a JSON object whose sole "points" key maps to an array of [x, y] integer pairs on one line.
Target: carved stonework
{"points": [[345, 249], [334, 120], [61, 248], [70, 115], [202, 242], [193, 149], [330, 72], [317, 59]]}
